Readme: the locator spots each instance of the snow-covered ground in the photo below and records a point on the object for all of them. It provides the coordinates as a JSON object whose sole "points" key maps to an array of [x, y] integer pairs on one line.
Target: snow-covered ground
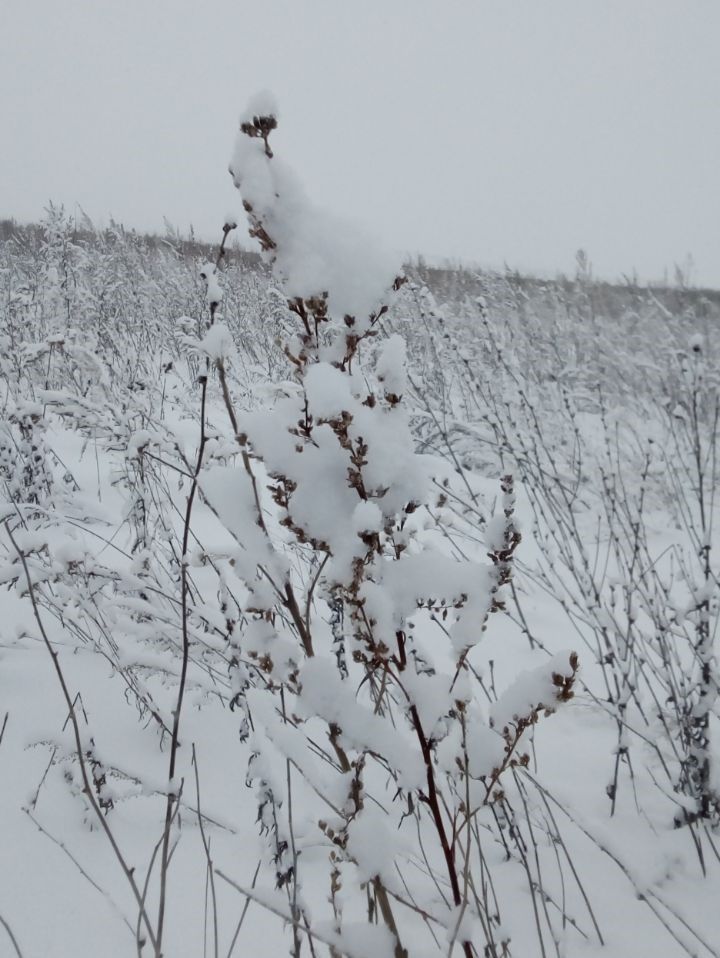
{"points": [[426, 642]]}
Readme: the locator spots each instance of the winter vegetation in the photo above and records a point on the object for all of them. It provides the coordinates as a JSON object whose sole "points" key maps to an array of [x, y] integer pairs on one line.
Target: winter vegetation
{"points": [[348, 608]]}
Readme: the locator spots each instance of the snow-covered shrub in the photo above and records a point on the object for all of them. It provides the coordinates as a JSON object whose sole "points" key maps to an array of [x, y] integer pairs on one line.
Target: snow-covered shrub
{"points": [[356, 671], [596, 480]]}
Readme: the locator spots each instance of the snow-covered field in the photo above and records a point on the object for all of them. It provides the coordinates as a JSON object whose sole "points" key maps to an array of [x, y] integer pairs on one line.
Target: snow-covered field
{"points": [[328, 628]]}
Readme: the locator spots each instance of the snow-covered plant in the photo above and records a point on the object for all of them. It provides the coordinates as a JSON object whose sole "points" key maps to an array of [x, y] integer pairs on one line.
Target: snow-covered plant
{"points": [[24, 458], [357, 668], [646, 613], [691, 460]]}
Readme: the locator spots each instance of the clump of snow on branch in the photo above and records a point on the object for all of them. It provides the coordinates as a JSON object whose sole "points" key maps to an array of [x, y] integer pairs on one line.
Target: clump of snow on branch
{"points": [[217, 343], [540, 690], [314, 251], [213, 289], [391, 365]]}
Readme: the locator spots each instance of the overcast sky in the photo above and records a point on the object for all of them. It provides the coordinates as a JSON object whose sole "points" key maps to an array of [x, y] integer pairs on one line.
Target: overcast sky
{"points": [[494, 131]]}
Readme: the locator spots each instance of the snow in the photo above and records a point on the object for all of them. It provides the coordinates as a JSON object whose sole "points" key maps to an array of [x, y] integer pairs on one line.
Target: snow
{"points": [[357, 666], [531, 691], [484, 749], [317, 252], [360, 939], [390, 365], [325, 695], [230, 220], [328, 392], [217, 343], [263, 103], [208, 273], [367, 517]]}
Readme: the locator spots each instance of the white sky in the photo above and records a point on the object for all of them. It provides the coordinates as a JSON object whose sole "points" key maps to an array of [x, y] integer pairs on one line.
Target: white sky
{"points": [[492, 130]]}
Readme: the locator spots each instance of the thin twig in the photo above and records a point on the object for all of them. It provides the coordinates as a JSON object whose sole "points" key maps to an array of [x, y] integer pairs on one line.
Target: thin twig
{"points": [[11, 936], [206, 846]]}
